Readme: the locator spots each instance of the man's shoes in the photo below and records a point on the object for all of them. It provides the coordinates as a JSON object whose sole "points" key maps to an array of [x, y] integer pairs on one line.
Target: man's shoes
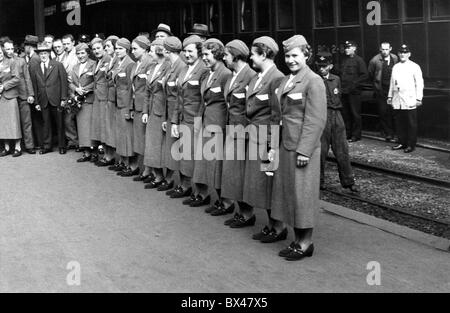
{"points": [[213, 207], [274, 237], [398, 147], [129, 172], [84, 158], [17, 153], [242, 222], [180, 193], [408, 150], [71, 147], [232, 220], [140, 177], [354, 139], [200, 201], [353, 188], [264, 232], [390, 139], [154, 184], [104, 163], [222, 211], [297, 253], [62, 150], [30, 151], [189, 200], [45, 151], [165, 185], [5, 153]]}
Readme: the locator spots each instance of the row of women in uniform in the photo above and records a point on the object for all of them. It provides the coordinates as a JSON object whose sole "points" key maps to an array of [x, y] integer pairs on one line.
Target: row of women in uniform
{"points": [[146, 110]]}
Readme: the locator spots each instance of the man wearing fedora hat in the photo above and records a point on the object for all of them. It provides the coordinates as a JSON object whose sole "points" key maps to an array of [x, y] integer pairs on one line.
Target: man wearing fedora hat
{"points": [[50, 82], [200, 30], [162, 32]]}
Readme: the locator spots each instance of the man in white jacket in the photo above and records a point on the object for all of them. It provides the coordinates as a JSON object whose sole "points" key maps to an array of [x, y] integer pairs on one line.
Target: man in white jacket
{"points": [[405, 96]]}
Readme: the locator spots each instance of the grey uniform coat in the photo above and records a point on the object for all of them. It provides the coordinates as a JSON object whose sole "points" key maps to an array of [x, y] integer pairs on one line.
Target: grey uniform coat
{"points": [[98, 123]]}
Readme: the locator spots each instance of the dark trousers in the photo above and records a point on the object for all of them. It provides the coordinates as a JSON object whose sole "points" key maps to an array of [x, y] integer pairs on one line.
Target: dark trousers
{"points": [[53, 118], [406, 121], [37, 127], [334, 135], [26, 123], [386, 113], [70, 122], [352, 115]]}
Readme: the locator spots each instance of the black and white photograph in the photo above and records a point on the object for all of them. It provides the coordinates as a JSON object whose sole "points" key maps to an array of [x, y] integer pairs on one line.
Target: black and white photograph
{"points": [[219, 153]]}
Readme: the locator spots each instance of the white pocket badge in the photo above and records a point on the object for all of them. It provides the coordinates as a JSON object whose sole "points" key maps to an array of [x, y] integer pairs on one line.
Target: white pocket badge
{"points": [[296, 96], [216, 89], [193, 82], [336, 91], [171, 84], [7, 70], [102, 69], [122, 74], [144, 76], [239, 95], [263, 97]]}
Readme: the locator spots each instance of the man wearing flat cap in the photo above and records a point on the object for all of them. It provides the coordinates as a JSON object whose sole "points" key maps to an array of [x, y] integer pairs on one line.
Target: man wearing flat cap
{"points": [[51, 87], [405, 96], [353, 72]]}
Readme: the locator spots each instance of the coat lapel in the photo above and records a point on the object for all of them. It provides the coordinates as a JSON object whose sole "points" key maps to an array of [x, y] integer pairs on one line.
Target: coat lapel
{"points": [[51, 66], [263, 82], [194, 71]]}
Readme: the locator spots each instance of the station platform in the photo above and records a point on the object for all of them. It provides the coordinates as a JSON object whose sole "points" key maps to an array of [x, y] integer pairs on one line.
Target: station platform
{"points": [[128, 239]]}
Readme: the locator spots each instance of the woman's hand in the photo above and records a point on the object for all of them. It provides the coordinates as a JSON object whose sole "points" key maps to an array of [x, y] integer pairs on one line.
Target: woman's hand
{"points": [[145, 118], [174, 131], [79, 91], [164, 126], [302, 161]]}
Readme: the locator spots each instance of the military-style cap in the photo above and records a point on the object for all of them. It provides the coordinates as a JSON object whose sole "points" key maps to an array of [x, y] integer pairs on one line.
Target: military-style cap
{"points": [[157, 42], [112, 37], [200, 30], [124, 43], [404, 49], [81, 46], [294, 42], [173, 44], [142, 42], [214, 40], [96, 40], [269, 42], [31, 40], [239, 45], [163, 28], [42, 47], [191, 39], [324, 58], [349, 43]]}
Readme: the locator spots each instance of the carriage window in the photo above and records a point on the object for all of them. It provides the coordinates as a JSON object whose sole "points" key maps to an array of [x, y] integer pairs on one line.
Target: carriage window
{"points": [[187, 19], [413, 10], [198, 15], [324, 13], [227, 16], [285, 14], [440, 9], [349, 12], [263, 15], [246, 10], [213, 15], [389, 10]]}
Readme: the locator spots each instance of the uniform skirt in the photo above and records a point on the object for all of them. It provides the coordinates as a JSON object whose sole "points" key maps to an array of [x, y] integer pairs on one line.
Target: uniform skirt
{"points": [[187, 149], [110, 124], [98, 112], [138, 134], [154, 142], [124, 134], [208, 168], [171, 144], [233, 169], [295, 196], [9, 119], [84, 117]]}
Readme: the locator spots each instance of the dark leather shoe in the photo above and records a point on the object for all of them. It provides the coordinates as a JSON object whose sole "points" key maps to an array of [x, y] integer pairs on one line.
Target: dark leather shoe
{"points": [[71, 147], [170, 192], [180, 193], [398, 147], [353, 188], [154, 184], [213, 207], [78, 149], [242, 222], [17, 153], [30, 151], [84, 158], [94, 158], [62, 150], [353, 139], [118, 167], [5, 153], [222, 211], [129, 172], [230, 221], [149, 179], [408, 150], [274, 237], [45, 151], [165, 185], [189, 200], [140, 177], [286, 251], [297, 253], [104, 163], [264, 232], [200, 201]]}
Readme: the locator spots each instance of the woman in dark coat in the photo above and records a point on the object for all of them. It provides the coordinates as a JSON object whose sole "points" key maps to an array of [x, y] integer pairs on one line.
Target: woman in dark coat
{"points": [[81, 83], [208, 168], [9, 108], [303, 106], [153, 114]]}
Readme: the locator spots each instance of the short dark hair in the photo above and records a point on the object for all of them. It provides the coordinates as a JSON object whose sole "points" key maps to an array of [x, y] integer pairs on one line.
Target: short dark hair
{"points": [[50, 36], [68, 36], [7, 41], [237, 55], [217, 50], [263, 49]]}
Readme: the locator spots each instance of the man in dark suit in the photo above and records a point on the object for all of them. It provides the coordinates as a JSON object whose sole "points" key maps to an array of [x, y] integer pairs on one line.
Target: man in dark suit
{"points": [[50, 83]]}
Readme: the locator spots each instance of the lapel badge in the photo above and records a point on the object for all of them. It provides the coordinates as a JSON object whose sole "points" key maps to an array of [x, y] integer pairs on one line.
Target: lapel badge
{"points": [[336, 91]]}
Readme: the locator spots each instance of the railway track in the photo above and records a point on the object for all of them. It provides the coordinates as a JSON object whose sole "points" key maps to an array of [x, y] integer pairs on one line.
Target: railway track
{"points": [[421, 145]]}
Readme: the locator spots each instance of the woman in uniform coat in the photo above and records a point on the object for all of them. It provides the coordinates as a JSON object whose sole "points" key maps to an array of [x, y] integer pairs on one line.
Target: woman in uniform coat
{"points": [[124, 123], [303, 106], [139, 48], [81, 83], [98, 123], [189, 104], [110, 114], [172, 48], [207, 176], [153, 114], [9, 109], [260, 99], [233, 172]]}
